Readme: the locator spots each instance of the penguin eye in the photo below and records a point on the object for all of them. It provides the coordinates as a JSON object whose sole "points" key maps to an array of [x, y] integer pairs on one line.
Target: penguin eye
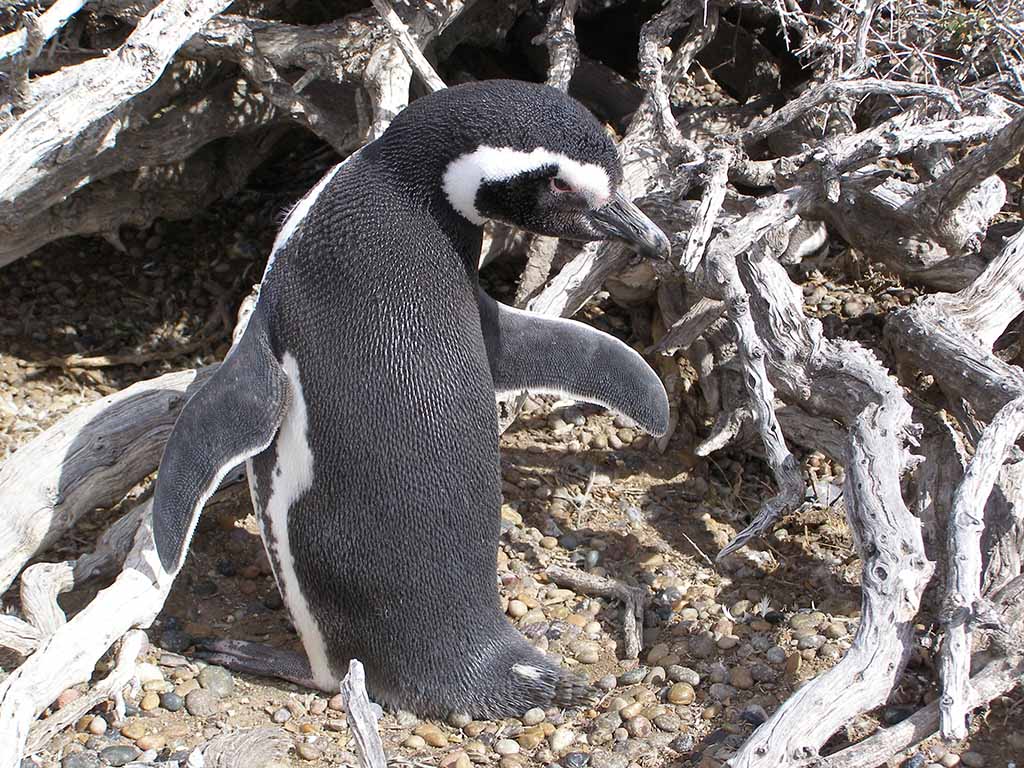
{"points": [[558, 185]]}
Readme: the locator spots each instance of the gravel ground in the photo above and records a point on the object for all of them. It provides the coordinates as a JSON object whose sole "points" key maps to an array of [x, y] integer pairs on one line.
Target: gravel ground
{"points": [[722, 646]]}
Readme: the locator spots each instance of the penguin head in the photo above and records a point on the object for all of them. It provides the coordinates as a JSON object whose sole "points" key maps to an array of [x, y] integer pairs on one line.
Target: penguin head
{"points": [[527, 155]]}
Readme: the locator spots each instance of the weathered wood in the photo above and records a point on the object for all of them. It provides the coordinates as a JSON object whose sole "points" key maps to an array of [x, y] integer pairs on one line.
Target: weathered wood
{"points": [[249, 747], [89, 459], [634, 601], [964, 570], [362, 721]]}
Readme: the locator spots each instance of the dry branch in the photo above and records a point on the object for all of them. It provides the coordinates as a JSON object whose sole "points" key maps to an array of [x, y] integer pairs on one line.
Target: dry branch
{"points": [[963, 607], [361, 718], [634, 602]]}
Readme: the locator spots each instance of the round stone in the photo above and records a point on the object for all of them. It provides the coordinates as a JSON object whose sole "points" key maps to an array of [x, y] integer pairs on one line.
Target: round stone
{"points": [[459, 719], [217, 680], [119, 755], [529, 740], [134, 730], [307, 751], [633, 676], [431, 734], [201, 703], [281, 715], [81, 760], [516, 609], [575, 760], [151, 741], [336, 703], [174, 640], [561, 739], [606, 683], [149, 701], [414, 742], [776, 655], [638, 726], [506, 747], [681, 693], [721, 692], [171, 701], [741, 678], [533, 716], [668, 723], [98, 726], [588, 656], [972, 759], [680, 674]]}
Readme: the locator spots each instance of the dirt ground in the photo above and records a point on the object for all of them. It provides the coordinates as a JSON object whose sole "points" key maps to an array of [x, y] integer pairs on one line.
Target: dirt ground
{"points": [[580, 489]]}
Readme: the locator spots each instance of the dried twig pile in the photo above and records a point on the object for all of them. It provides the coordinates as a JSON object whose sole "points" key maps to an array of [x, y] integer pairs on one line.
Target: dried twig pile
{"points": [[890, 138]]}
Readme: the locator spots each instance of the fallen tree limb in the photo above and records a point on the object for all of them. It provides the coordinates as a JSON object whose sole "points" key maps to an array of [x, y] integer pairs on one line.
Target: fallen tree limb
{"points": [[361, 719]]}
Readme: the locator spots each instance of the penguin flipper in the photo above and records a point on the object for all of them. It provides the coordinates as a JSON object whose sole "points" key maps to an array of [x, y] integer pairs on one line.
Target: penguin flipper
{"points": [[234, 416], [548, 355]]}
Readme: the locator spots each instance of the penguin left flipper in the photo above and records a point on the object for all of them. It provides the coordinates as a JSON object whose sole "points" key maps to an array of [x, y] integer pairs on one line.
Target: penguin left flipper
{"points": [[232, 418], [548, 355]]}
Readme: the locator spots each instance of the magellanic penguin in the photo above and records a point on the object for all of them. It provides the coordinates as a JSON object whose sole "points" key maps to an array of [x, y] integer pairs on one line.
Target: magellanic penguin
{"points": [[362, 394]]}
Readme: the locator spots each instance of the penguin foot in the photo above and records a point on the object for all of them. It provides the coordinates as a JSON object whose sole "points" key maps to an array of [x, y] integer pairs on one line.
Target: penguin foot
{"points": [[257, 659], [524, 678]]}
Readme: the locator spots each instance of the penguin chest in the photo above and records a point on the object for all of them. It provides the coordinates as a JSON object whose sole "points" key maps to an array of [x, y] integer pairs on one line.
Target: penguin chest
{"points": [[277, 479]]}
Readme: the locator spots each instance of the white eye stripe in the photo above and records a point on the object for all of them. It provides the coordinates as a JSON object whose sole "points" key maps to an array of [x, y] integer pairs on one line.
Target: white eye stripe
{"points": [[464, 176]]}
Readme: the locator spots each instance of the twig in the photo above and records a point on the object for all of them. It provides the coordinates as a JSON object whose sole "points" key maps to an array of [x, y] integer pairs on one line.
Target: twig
{"points": [[717, 169], [559, 37], [361, 719], [412, 52], [634, 600]]}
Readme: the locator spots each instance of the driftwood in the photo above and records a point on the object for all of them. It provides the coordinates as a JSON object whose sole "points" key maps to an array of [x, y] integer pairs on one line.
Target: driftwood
{"points": [[895, 158]]}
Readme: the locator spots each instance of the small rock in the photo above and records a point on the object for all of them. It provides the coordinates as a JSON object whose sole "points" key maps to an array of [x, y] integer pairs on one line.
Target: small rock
{"points": [[633, 676], [606, 683], [603, 758], [281, 716], [337, 725], [682, 744], [152, 741], [681, 693], [336, 703], [575, 760], [754, 714], [972, 759], [638, 726], [457, 760], [915, 761], [721, 692], [561, 739], [533, 716], [811, 642], [414, 742], [81, 760], [174, 640], [703, 645], [741, 678], [668, 723], [776, 655], [201, 703], [133, 730], [308, 751], [431, 734], [98, 726], [217, 680], [171, 701], [318, 707], [459, 719], [119, 755], [679, 674], [506, 747], [149, 701]]}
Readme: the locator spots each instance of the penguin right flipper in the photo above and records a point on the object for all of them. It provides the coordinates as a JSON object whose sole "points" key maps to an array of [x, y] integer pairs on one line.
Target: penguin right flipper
{"points": [[548, 355], [232, 418]]}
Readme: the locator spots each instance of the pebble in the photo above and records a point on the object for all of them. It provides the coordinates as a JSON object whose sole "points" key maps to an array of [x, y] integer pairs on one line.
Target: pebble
{"points": [[638, 726], [561, 739], [318, 707], [678, 674], [529, 740], [217, 680], [669, 723], [431, 734], [633, 676], [201, 703], [98, 726], [950, 759], [575, 760], [588, 656], [754, 714], [414, 742], [133, 730], [174, 640], [776, 655], [506, 747], [811, 642], [119, 755], [171, 701], [915, 761], [682, 744], [336, 703], [533, 716], [459, 720], [681, 693], [703, 645], [149, 701], [151, 741], [721, 691], [281, 716], [972, 759], [602, 758], [457, 760], [606, 683], [741, 678], [511, 761], [307, 751], [81, 760]]}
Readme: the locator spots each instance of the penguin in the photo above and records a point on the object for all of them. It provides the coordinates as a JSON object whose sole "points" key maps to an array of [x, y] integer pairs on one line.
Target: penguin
{"points": [[361, 397]]}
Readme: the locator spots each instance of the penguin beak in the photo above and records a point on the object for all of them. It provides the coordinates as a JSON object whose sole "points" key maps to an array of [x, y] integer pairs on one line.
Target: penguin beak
{"points": [[621, 220]]}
